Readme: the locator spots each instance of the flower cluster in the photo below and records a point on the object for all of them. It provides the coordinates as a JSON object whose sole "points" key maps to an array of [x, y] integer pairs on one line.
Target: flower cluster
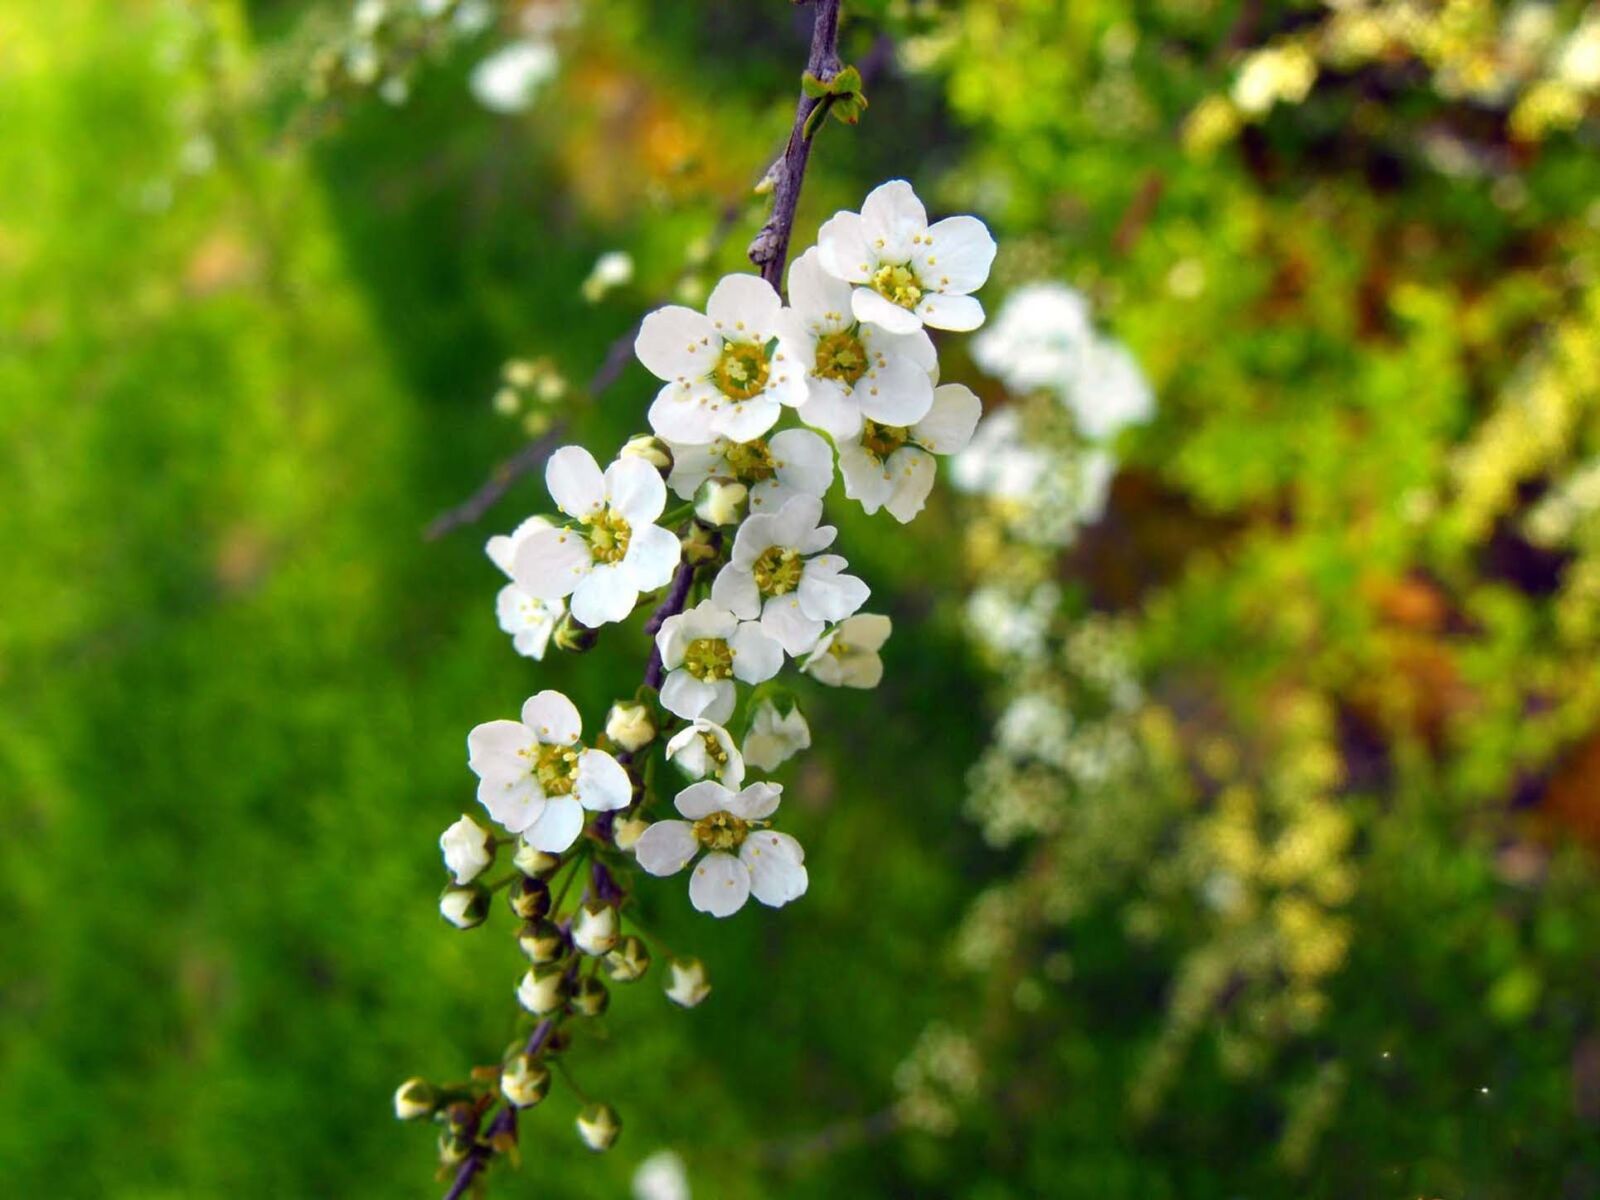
{"points": [[757, 400]]}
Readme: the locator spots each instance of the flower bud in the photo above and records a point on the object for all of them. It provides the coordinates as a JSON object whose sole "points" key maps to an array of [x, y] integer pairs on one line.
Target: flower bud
{"points": [[652, 449], [721, 502], [628, 961], [543, 990], [543, 941], [465, 907], [700, 545], [453, 1148], [538, 863], [414, 1099], [529, 898], [468, 848], [520, 373], [687, 984], [626, 833], [506, 402], [598, 1126], [630, 726], [524, 1080], [595, 928], [574, 637], [589, 998]]}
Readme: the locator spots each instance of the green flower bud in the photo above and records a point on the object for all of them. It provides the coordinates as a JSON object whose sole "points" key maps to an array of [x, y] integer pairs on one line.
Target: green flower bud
{"points": [[414, 1099], [543, 941], [652, 449], [598, 1126], [595, 928], [629, 961], [589, 998], [524, 1080], [529, 898], [686, 982], [574, 637], [534, 862], [721, 502], [630, 726], [543, 990], [464, 907]]}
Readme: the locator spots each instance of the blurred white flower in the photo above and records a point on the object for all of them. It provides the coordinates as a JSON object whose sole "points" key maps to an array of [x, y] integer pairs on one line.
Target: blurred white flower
{"points": [[613, 269], [774, 738], [1110, 392], [847, 655], [661, 1177], [509, 79], [1038, 339]]}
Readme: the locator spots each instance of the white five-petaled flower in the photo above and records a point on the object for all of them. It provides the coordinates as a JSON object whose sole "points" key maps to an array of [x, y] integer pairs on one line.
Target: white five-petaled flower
{"points": [[742, 855], [536, 778], [704, 650], [794, 462], [848, 655], [722, 377], [775, 737], [907, 273], [778, 574], [892, 466], [853, 370], [615, 552], [529, 620], [705, 749], [467, 850]]}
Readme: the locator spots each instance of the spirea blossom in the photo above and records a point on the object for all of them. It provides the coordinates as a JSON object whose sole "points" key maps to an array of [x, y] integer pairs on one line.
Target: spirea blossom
{"points": [[528, 619], [847, 656], [907, 273], [614, 550], [775, 736], [509, 79], [703, 749], [728, 371], [892, 466], [794, 462], [704, 650], [743, 857], [536, 778]]}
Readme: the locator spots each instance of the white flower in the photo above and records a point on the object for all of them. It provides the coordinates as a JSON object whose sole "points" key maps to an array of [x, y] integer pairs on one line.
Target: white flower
{"points": [[768, 864], [1271, 74], [704, 749], [509, 79], [795, 462], [774, 738], [778, 574], [616, 551], [613, 269], [848, 656], [891, 466], [536, 778], [722, 379], [1038, 339], [467, 849], [1578, 61], [706, 649], [853, 370], [907, 273], [661, 1177], [1110, 393], [529, 620], [997, 461]]}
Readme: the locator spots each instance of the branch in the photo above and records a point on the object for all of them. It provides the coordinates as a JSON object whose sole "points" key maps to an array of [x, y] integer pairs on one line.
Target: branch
{"points": [[770, 249], [530, 458]]}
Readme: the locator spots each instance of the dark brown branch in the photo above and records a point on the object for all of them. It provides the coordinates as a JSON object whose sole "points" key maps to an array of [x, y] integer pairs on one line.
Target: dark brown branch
{"points": [[530, 458], [770, 249]]}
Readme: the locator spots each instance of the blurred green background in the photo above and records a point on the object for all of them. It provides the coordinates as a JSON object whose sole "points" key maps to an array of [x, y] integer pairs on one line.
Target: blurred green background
{"points": [[247, 345]]}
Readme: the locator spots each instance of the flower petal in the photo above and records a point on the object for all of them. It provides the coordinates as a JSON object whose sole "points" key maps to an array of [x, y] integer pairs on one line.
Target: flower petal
{"points": [[842, 249], [606, 594], [666, 847], [719, 885], [955, 313], [949, 424], [677, 343], [743, 307], [869, 306], [653, 554], [956, 255], [756, 657], [514, 803], [685, 696], [683, 412], [777, 874], [495, 748], [912, 472], [703, 798], [634, 489], [831, 407], [819, 301], [575, 482], [891, 216], [869, 631], [602, 785], [864, 477], [786, 623], [553, 718], [744, 420], [898, 393], [736, 591], [803, 461], [558, 826], [551, 563], [756, 802], [828, 595], [693, 465]]}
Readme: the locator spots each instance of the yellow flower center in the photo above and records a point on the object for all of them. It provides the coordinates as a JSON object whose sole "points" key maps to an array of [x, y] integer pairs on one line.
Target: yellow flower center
{"points": [[841, 356], [556, 769], [709, 659], [898, 285], [608, 536], [721, 831], [714, 750], [778, 570], [839, 648], [751, 462], [881, 441], [741, 371]]}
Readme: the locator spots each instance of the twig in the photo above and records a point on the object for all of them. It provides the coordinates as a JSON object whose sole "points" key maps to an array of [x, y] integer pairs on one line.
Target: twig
{"points": [[770, 249], [505, 1121], [530, 458], [841, 1134]]}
